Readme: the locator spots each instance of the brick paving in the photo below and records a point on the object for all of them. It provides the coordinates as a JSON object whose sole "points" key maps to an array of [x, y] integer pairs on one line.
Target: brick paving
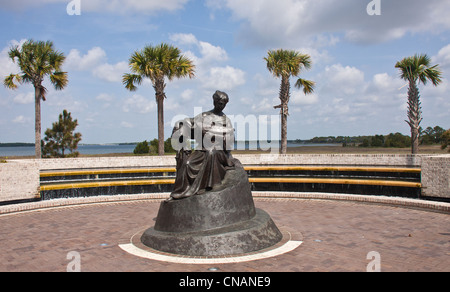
{"points": [[336, 235]]}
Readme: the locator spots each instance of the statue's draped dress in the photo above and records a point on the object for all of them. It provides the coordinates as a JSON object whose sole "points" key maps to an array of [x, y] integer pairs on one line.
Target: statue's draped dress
{"points": [[205, 167]]}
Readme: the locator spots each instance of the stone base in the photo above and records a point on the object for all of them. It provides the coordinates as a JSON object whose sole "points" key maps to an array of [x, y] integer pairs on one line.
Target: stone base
{"points": [[248, 236], [219, 222]]}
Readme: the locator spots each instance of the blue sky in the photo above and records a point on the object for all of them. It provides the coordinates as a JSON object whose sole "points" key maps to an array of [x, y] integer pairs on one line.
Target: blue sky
{"points": [[358, 90]]}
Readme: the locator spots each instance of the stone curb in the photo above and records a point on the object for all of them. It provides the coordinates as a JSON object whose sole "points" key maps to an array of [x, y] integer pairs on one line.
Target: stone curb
{"points": [[381, 200]]}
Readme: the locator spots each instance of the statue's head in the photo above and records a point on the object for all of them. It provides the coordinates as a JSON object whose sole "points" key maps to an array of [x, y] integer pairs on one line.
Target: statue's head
{"points": [[220, 100]]}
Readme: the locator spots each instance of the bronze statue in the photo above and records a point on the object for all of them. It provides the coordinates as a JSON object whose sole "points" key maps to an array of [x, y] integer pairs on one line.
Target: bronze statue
{"points": [[205, 167], [211, 211]]}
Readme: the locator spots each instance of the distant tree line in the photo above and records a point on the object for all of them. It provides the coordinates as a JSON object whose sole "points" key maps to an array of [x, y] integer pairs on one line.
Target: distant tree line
{"points": [[18, 144], [429, 136], [152, 147]]}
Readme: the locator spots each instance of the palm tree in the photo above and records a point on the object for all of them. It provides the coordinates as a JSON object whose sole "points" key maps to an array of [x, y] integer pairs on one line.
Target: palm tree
{"points": [[36, 60], [284, 64], [416, 70], [157, 63]]}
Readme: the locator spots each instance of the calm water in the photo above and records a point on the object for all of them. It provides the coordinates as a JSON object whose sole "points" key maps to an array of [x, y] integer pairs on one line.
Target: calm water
{"points": [[113, 148], [83, 149]]}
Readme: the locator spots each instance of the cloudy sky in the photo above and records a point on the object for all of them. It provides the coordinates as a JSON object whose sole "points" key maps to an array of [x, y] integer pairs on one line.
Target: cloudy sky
{"points": [[358, 90]]}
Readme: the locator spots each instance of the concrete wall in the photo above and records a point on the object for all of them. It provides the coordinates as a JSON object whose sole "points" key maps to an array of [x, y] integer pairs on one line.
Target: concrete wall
{"points": [[257, 159], [436, 176], [19, 179], [106, 162], [332, 159]]}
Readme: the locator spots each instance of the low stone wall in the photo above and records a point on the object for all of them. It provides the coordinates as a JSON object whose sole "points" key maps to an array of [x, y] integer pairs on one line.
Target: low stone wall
{"points": [[332, 159], [19, 180], [436, 176], [106, 162], [256, 159]]}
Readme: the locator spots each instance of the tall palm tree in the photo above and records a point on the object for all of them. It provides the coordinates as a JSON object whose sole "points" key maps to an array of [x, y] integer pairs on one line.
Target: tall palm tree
{"points": [[417, 69], [157, 63], [36, 60], [284, 64]]}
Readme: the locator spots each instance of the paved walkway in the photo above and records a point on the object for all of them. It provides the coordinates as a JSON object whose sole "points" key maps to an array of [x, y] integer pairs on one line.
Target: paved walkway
{"points": [[336, 235]]}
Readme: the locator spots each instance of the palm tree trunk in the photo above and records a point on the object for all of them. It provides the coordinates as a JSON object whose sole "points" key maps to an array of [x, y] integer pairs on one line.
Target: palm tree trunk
{"points": [[284, 97], [160, 103], [414, 115], [283, 134], [160, 96], [37, 122]]}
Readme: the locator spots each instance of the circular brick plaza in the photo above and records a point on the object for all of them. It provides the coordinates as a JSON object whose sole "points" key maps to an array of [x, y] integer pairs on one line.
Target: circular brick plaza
{"points": [[335, 235]]}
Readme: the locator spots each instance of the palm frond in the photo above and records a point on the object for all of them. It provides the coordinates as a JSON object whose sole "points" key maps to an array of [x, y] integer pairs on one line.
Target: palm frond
{"points": [[434, 74], [129, 80], [43, 92], [307, 85], [59, 80], [9, 81], [418, 68]]}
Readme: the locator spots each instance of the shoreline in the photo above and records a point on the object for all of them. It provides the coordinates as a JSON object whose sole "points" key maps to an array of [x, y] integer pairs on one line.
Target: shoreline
{"points": [[424, 150]]}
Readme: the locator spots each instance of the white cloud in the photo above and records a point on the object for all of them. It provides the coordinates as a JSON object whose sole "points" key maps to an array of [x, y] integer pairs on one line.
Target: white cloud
{"points": [[211, 76], [75, 61], [136, 6], [117, 6], [187, 94], [21, 120], [24, 98], [104, 97], [212, 53], [111, 73], [224, 78], [299, 98], [184, 38], [443, 57], [265, 105], [126, 125], [64, 100], [138, 104], [209, 53], [95, 61], [343, 80], [387, 83], [294, 22], [7, 66]]}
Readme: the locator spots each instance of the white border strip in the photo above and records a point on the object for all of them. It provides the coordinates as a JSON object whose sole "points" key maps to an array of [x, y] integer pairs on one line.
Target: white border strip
{"points": [[285, 248]]}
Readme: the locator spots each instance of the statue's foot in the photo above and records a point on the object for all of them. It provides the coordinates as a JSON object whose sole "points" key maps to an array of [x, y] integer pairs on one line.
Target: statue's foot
{"points": [[180, 196]]}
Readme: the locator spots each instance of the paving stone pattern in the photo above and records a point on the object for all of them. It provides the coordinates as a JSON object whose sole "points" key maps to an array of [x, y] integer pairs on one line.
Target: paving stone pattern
{"points": [[336, 235]]}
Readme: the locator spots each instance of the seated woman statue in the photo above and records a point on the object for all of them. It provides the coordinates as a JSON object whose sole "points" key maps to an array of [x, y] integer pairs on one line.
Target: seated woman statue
{"points": [[200, 170]]}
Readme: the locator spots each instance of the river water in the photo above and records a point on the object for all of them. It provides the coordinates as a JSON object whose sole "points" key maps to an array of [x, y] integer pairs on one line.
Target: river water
{"points": [[116, 148]]}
